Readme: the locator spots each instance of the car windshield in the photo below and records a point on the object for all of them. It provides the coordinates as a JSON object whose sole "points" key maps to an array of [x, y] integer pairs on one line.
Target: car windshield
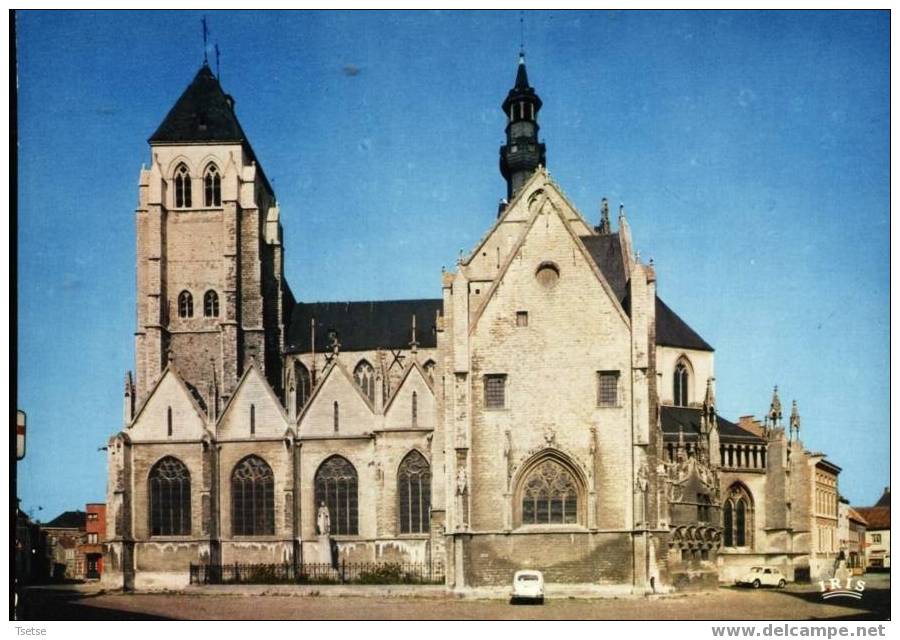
{"points": [[528, 576]]}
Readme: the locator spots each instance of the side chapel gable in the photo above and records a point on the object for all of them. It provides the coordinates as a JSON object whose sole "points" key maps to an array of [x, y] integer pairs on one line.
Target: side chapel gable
{"points": [[170, 412], [355, 414], [253, 410], [398, 411]]}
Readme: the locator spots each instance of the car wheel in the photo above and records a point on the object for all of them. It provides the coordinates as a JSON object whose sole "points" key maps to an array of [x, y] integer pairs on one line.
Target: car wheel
{"points": [[781, 583], [756, 584]]}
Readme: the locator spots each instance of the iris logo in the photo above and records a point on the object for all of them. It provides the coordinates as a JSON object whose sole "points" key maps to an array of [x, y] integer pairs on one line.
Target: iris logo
{"points": [[836, 588]]}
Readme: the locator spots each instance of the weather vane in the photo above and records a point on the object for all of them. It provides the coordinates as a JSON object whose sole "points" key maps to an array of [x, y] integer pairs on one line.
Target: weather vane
{"points": [[521, 33], [205, 35]]}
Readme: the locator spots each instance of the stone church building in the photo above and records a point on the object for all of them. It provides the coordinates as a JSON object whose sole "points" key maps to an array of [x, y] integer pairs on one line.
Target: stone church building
{"points": [[547, 410]]}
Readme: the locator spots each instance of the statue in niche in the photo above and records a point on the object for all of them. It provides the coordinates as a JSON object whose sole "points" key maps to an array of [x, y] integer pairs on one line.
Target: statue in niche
{"points": [[462, 489], [323, 520]]}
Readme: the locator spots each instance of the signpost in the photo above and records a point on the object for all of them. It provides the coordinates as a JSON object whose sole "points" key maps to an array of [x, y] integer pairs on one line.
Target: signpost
{"points": [[20, 434]]}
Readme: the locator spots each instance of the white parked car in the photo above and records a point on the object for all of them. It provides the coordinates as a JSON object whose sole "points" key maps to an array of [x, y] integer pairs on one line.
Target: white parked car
{"points": [[758, 577], [528, 585]]}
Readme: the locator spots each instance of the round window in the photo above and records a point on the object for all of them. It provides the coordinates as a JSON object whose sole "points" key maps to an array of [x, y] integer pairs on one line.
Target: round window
{"points": [[547, 274]]}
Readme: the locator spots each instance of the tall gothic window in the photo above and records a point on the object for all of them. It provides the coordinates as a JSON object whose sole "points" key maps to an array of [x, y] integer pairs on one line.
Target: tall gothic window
{"points": [[415, 409], [681, 385], [414, 493], [211, 304], [185, 305], [549, 495], [336, 486], [182, 187], [170, 498], [364, 374], [212, 187], [252, 498], [337, 416], [304, 383], [737, 517]]}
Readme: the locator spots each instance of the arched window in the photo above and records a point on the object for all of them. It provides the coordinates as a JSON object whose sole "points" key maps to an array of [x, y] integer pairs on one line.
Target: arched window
{"points": [[549, 494], [170, 498], [682, 377], [211, 304], [728, 524], [252, 498], [304, 384], [212, 187], [737, 517], [336, 485], [185, 305], [364, 374], [414, 493], [182, 187], [415, 409], [429, 369]]}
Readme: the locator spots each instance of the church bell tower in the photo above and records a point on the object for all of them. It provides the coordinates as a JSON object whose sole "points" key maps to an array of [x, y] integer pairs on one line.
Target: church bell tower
{"points": [[522, 153], [211, 295]]}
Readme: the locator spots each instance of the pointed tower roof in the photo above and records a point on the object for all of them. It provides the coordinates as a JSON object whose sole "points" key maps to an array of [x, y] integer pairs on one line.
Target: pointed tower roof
{"points": [[203, 113], [522, 90]]}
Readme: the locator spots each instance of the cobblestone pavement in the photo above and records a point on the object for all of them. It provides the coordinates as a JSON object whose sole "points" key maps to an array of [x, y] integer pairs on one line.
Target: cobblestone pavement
{"points": [[797, 602]]}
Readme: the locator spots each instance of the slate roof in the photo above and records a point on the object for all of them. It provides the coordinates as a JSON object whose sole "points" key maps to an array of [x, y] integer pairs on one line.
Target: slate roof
{"points": [[671, 330], [885, 499], [606, 250], [689, 419], [363, 326], [68, 520], [203, 113], [877, 518]]}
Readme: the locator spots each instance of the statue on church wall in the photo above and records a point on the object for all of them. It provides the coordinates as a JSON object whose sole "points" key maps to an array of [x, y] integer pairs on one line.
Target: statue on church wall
{"points": [[323, 520]]}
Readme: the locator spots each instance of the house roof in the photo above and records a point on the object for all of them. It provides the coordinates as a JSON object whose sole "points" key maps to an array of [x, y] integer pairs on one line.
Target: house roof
{"points": [[203, 113], [877, 518], [853, 514], [68, 520], [363, 326], [885, 499], [687, 420]]}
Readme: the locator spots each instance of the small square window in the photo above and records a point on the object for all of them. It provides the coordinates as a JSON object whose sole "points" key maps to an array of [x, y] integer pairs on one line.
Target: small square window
{"points": [[495, 391], [607, 388], [521, 318]]}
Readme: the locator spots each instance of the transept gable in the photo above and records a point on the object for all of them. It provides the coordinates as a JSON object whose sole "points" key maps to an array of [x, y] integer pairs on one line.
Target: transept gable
{"points": [[556, 222], [398, 411], [337, 406], [489, 254], [253, 411], [170, 412]]}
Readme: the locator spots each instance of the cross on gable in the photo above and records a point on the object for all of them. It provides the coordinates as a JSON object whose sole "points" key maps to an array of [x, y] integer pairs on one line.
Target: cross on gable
{"points": [[398, 358]]}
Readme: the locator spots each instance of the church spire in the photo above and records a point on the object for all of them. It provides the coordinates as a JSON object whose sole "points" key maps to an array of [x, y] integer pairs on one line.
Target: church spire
{"points": [[795, 421], [775, 409], [522, 153]]}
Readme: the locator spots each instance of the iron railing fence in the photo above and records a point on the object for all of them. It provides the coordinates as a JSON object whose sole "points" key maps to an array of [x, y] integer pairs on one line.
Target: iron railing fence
{"points": [[322, 573]]}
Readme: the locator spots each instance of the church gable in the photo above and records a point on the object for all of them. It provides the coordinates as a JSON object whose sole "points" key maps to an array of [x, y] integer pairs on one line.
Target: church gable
{"points": [[494, 248], [412, 405], [549, 267], [253, 410], [337, 407], [169, 413]]}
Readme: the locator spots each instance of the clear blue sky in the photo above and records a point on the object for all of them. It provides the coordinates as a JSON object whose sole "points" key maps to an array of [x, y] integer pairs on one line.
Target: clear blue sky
{"points": [[751, 150]]}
